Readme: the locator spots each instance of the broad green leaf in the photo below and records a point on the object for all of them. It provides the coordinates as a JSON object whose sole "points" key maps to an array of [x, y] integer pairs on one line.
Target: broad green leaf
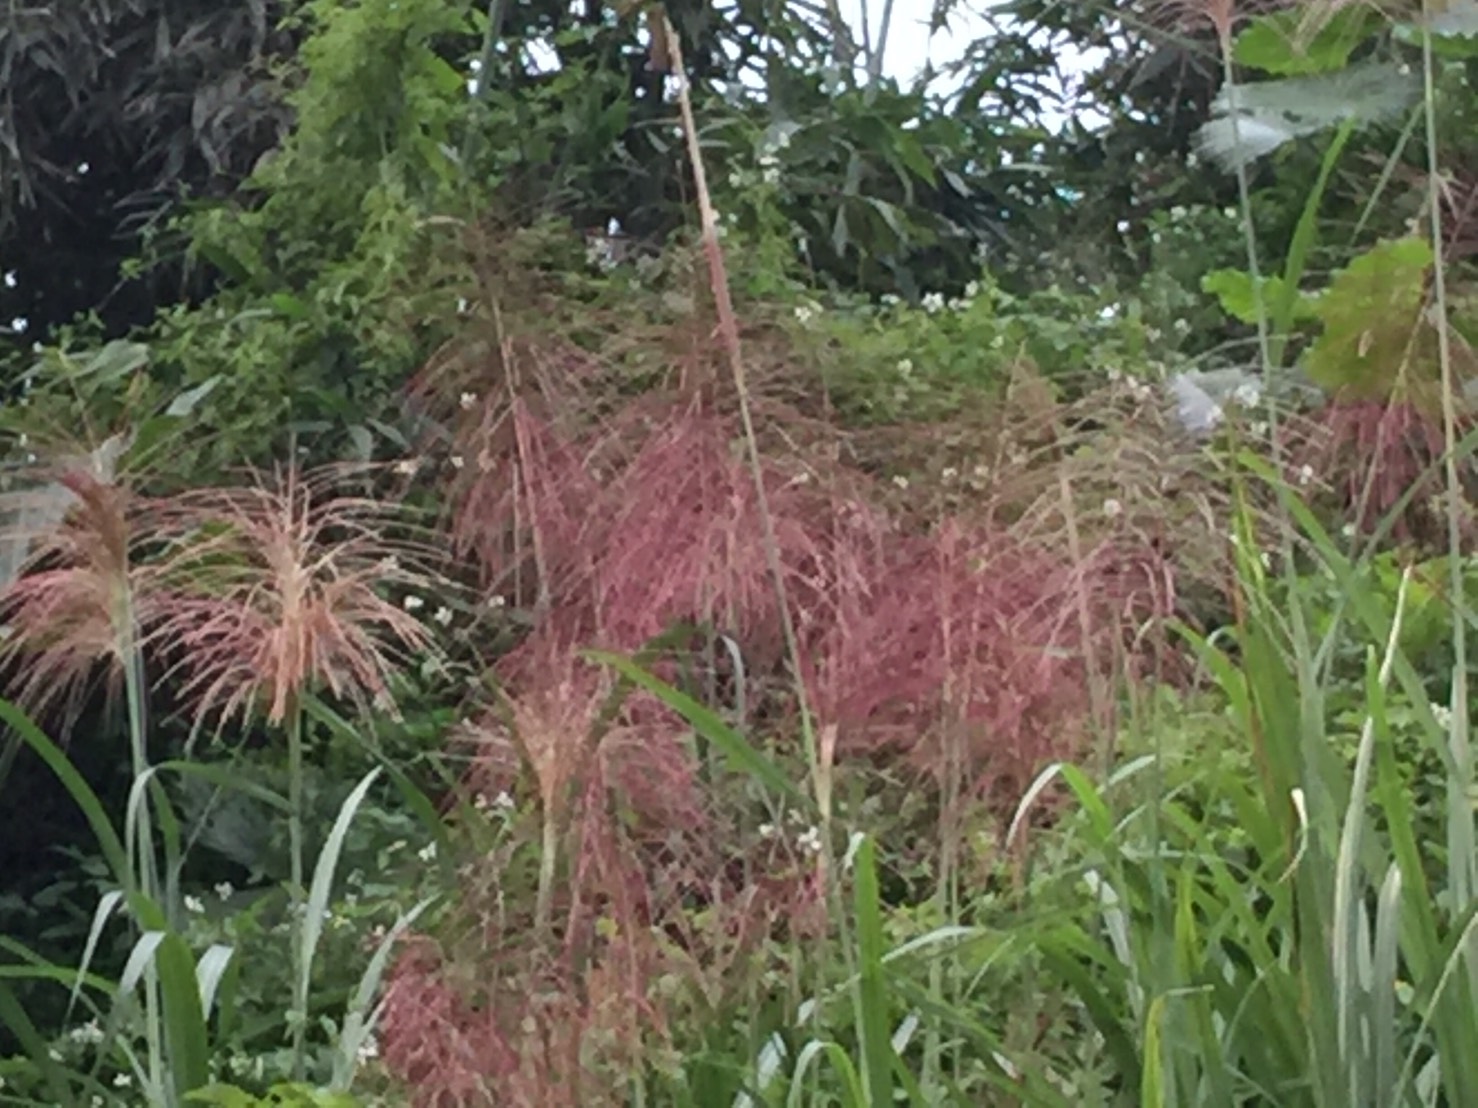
{"points": [[1375, 332], [1235, 291], [1279, 43]]}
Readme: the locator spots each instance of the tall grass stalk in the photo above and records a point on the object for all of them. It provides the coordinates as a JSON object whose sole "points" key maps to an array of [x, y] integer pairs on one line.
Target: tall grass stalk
{"points": [[820, 753], [1271, 971]]}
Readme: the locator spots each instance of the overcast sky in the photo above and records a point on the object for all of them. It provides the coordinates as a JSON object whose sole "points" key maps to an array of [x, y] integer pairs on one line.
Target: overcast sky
{"points": [[910, 45]]}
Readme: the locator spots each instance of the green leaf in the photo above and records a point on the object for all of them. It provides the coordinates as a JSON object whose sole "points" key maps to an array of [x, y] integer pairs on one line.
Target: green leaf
{"points": [[1277, 43], [1374, 331], [289, 305], [912, 155], [183, 404], [1234, 289]]}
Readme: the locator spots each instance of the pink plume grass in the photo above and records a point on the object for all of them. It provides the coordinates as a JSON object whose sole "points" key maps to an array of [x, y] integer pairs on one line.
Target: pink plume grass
{"points": [[81, 589], [284, 588]]}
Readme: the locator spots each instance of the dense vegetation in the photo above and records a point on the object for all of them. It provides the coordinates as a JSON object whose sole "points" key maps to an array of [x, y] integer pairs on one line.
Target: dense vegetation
{"points": [[617, 554]]}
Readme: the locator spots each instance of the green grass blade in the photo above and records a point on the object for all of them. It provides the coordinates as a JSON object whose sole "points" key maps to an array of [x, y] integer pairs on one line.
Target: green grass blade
{"points": [[872, 994], [852, 1092], [707, 723], [1383, 984], [1152, 1075], [316, 910], [92, 809], [107, 903], [210, 970], [359, 1019], [186, 1036]]}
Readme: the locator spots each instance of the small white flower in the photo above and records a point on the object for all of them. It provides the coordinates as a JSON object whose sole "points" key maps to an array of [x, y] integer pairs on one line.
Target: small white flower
{"points": [[1112, 508], [767, 830], [224, 890], [949, 474], [1305, 474], [407, 467], [457, 461], [1443, 715], [443, 615], [413, 603], [972, 290], [1247, 395], [905, 366], [1347, 531], [932, 302], [194, 904], [804, 313], [497, 601], [88, 1032], [503, 801], [427, 853], [462, 305], [368, 1051], [901, 481], [468, 401], [809, 840], [890, 300], [122, 1081]]}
